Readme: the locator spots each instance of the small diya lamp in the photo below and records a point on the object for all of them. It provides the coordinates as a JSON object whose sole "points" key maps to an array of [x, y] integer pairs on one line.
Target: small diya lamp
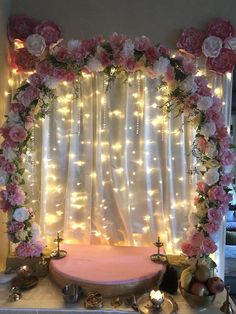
{"points": [[156, 298]]}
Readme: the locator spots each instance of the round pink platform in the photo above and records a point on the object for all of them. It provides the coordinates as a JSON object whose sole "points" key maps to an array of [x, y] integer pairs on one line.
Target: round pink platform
{"points": [[110, 270]]}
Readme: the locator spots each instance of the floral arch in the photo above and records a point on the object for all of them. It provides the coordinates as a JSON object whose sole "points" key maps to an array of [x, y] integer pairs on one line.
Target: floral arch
{"points": [[37, 47]]}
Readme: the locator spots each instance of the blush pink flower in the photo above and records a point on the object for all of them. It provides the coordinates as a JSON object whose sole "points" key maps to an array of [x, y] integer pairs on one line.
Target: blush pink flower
{"points": [[189, 67], [117, 41], [203, 89], [223, 208], [227, 158], [215, 116], [35, 80], [7, 166], [228, 198], [216, 193], [22, 60], [202, 144], [215, 215], [191, 40], [63, 75], [189, 250], [29, 122], [151, 54], [170, 73], [17, 107], [20, 27], [17, 134], [208, 246], [220, 28], [202, 187], [30, 249], [8, 144], [44, 68], [195, 237], [17, 198], [49, 30], [142, 43], [62, 54], [28, 95], [211, 227], [223, 63], [226, 179], [105, 59], [130, 65], [14, 226]]}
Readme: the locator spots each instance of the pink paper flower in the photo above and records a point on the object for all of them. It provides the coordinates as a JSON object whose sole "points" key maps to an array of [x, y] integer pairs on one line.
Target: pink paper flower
{"points": [[170, 73], [195, 237], [189, 250], [17, 134], [226, 179], [62, 54], [117, 41], [22, 60], [189, 67], [20, 27], [142, 43], [211, 227], [208, 246], [35, 80], [220, 28], [202, 187], [30, 249], [44, 68], [104, 58], [203, 89], [151, 54], [17, 197], [190, 41], [17, 107], [28, 95], [227, 158], [130, 65], [215, 215], [49, 30], [223, 63], [29, 122], [63, 75], [216, 116], [14, 226], [202, 143], [7, 166], [216, 193], [223, 208]]}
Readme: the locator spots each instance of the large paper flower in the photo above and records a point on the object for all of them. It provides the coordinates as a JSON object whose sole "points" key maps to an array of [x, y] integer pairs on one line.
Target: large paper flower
{"points": [[21, 214], [20, 27], [211, 46], [223, 63], [22, 60], [49, 30], [220, 28], [35, 44], [191, 40]]}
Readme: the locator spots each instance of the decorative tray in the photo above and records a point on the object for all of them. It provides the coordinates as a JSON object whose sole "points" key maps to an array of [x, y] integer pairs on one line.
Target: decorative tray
{"points": [[169, 306]]}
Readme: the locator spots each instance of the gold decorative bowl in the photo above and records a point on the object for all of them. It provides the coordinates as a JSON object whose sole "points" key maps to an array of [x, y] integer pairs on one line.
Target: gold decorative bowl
{"points": [[197, 301]]}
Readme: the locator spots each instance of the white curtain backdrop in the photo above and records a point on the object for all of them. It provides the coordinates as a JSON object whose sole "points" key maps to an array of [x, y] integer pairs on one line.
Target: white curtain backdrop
{"points": [[110, 168]]}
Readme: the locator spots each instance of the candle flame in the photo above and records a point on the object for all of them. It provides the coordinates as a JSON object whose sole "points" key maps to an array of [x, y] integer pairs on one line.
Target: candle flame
{"points": [[156, 295]]}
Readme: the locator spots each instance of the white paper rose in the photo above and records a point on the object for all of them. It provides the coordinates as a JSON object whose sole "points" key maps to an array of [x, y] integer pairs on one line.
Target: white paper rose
{"points": [[208, 129], [35, 44], [211, 176], [3, 177], [128, 49], [160, 66], [230, 43], [211, 46], [95, 65], [50, 82], [211, 150], [73, 44], [35, 229], [21, 214], [189, 85], [204, 103]]}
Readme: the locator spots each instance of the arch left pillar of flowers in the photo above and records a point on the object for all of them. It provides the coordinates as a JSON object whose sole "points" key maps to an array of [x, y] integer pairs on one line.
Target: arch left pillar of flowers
{"points": [[175, 77]]}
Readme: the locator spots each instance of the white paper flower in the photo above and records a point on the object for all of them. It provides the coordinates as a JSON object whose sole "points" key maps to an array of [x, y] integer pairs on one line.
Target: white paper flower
{"points": [[95, 65], [128, 49], [36, 232], [211, 176], [50, 82], [21, 214], [204, 103], [73, 44], [208, 129], [211, 46], [35, 44], [161, 65], [3, 177], [211, 150], [230, 43], [189, 85], [9, 154]]}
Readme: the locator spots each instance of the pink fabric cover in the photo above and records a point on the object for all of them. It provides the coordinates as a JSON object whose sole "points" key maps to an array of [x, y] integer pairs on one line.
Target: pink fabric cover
{"points": [[103, 264]]}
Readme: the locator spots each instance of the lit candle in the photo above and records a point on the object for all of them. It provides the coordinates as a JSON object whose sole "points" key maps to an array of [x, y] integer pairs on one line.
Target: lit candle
{"points": [[157, 298]]}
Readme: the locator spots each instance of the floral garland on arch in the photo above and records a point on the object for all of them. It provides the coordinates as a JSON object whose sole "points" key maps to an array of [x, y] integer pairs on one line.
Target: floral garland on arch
{"points": [[175, 76]]}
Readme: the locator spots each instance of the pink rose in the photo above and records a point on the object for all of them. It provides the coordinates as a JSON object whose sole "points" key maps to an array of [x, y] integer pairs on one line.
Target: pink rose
{"points": [[49, 30], [20, 27], [30, 249], [7, 166], [17, 107], [226, 179], [170, 73], [189, 67], [215, 215], [216, 193], [63, 75], [17, 134], [17, 198], [14, 226], [142, 43], [105, 59], [203, 89], [62, 54], [35, 80], [8, 144], [4, 131], [195, 237], [28, 95], [228, 198], [80, 54], [223, 63], [208, 246], [227, 158], [216, 116], [44, 68], [211, 227], [117, 41], [202, 187], [220, 28], [22, 60], [202, 143], [130, 65], [29, 122], [189, 250], [223, 208], [151, 54], [118, 58], [190, 41]]}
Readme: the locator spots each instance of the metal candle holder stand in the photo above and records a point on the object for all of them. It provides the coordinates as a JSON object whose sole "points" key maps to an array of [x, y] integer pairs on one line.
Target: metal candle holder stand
{"points": [[158, 257], [227, 307], [58, 253]]}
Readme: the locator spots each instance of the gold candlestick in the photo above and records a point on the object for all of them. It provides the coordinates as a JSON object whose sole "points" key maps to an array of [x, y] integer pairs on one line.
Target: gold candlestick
{"points": [[58, 253], [159, 257]]}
